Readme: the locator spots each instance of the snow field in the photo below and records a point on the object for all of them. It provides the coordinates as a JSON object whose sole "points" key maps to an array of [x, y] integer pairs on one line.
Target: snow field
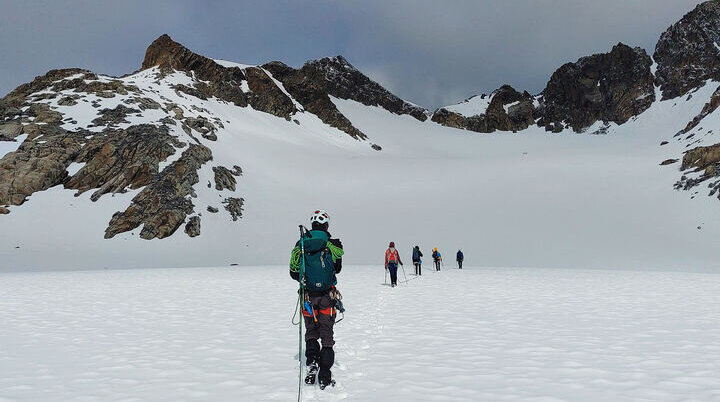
{"points": [[224, 334]]}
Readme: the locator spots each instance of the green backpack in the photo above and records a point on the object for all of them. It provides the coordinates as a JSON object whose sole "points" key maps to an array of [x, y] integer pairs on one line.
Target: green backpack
{"points": [[319, 265]]}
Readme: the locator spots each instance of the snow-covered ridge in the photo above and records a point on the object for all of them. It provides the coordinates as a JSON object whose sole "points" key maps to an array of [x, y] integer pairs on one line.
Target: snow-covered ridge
{"points": [[473, 106], [226, 63]]}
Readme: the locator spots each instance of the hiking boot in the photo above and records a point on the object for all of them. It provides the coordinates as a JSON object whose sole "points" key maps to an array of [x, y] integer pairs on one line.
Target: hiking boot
{"points": [[325, 382], [312, 371]]}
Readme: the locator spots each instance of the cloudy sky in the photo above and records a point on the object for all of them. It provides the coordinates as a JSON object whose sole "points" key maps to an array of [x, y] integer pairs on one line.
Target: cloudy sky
{"points": [[433, 53]]}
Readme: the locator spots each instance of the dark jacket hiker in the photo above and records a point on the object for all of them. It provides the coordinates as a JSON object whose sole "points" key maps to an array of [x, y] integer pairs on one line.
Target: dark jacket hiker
{"points": [[417, 260], [323, 260], [459, 258]]}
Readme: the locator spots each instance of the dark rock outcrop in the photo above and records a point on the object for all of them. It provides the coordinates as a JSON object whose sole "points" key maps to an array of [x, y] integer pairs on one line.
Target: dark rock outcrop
{"points": [[8, 131], [508, 110], [224, 178], [342, 80], [608, 87], [456, 120], [705, 164], [313, 96], [201, 125], [688, 53], [38, 165], [234, 206], [701, 158], [144, 103], [113, 117], [163, 205], [265, 95], [117, 160], [192, 228]]}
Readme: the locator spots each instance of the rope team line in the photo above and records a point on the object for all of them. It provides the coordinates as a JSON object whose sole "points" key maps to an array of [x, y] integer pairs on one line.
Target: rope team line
{"points": [[301, 300]]}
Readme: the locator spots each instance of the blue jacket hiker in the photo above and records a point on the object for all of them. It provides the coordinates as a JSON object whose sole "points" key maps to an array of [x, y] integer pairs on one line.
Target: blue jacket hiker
{"points": [[417, 260], [437, 258], [459, 258], [322, 261]]}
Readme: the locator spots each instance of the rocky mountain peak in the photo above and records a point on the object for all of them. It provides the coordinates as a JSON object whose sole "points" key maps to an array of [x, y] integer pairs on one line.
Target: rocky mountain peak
{"points": [[215, 80], [168, 55], [608, 87], [688, 53], [342, 80], [162, 52], [333, 65]]}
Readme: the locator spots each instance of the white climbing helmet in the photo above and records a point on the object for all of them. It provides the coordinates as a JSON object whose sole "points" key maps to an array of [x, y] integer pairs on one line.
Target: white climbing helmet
{"points": [[320, 217]]}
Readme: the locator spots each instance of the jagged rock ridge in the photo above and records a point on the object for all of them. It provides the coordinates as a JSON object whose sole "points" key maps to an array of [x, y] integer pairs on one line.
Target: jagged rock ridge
{"points": [[608, 87], [344, 81], [688, 53]]}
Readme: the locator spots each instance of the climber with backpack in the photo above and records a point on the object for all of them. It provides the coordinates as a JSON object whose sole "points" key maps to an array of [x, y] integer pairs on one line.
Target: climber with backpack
{"points": [[459, 258], [392, 259], [417, 260], [437, 258], [314, 262]]}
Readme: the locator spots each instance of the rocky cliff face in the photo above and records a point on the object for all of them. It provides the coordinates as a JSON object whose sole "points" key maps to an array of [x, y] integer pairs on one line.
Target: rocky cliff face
{"points": [[341, 80], [311, 94], [608, 87], [317, 80], [688, 53]]}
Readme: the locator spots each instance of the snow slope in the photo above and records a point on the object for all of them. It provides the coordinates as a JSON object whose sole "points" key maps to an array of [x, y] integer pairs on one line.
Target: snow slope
{"points": [[530, 199], [473, 106], [500, 334]]}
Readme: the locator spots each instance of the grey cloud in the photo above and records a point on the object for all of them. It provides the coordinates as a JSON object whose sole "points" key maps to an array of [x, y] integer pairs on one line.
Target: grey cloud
{"points": [[430, 52]]}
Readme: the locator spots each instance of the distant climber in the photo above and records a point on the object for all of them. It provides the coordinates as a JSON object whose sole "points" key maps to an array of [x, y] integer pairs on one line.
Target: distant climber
{"points": [[417, 260], [392, 259], [437, 258], [321, 296], [459, 258]]}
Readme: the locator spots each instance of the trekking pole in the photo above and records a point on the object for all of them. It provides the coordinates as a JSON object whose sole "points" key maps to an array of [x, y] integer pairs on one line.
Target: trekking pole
{"points": [[403, 268], [385, 276]]}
